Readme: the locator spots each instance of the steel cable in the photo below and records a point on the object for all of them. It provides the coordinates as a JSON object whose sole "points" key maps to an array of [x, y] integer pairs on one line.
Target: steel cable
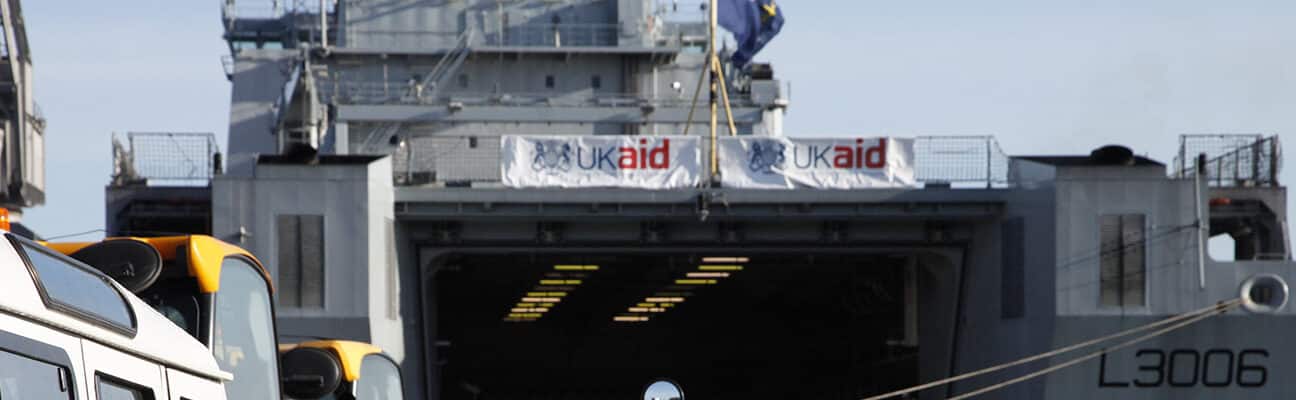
{"points": [[1191, 315], [1222, 308]]}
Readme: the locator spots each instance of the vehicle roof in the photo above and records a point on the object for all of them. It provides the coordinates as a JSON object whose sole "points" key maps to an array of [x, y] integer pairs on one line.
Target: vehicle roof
{"points": [[350, 353], [205, 255], [156, 337]]}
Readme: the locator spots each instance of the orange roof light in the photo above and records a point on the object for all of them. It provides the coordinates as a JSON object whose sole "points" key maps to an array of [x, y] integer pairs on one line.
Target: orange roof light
{"points": [[4, 218]]}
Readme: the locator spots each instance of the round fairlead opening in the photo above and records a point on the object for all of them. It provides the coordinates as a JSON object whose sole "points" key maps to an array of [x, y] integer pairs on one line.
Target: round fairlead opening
{"points": [[1263, 294]]}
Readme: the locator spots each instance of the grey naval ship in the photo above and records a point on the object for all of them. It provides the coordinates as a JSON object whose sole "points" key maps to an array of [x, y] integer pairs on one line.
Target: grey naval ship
{"points": [[520, 199]]}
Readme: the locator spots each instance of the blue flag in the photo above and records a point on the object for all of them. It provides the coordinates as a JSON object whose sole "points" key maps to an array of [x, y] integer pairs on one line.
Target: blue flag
{"points": [[753, 23]]}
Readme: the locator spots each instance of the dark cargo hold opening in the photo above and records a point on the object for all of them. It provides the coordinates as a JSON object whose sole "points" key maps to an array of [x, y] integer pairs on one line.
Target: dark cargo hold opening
{"points": [[823, 326]]}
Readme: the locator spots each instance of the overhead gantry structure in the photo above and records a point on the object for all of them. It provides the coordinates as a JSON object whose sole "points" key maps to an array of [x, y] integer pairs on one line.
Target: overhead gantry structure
{"points": [[22, 127]]}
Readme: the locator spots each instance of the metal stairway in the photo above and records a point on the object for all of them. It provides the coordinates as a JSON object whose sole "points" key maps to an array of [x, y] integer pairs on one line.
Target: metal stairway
{"points": [[426, 88]]}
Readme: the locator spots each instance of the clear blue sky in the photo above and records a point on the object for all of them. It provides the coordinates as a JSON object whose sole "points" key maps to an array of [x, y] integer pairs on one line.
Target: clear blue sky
{"points": [[1045, 77]]}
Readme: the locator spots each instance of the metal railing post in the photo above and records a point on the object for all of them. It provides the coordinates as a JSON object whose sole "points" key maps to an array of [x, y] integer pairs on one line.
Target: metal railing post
{"points": [[409, 162], [1255, 161], [1237, 166], [1203, 230], [1183, 162], [1273, 161], [211, 167], [989, 160], [1219, 171]]}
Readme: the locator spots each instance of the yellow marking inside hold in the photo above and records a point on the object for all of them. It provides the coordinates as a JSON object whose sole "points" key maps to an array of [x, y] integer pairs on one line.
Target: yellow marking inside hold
{"points": [[630, 318], [646, 305], [646, 309], [719, 260], [560, 281], [695, 281], [525, 315], [720, 268], [576, 268], [541, 299], [665, 299], [525, 305], [546, 294], [530, 310], [552, 288], [708, 274]]}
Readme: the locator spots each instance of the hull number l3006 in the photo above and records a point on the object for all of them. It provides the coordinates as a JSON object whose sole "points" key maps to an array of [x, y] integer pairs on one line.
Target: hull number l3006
{"points": [[1187, 368]]}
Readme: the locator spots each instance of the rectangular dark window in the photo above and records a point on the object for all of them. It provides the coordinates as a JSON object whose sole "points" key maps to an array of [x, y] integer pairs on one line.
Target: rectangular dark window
{"points": [[1122, 266], [550, 82], [301, 260], [25, 378], [596, 82], [1012, 283], [463, 81], [113, 389]]}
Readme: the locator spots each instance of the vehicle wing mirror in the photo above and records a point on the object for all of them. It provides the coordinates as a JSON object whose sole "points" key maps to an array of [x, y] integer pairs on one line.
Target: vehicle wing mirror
{"points": [[310, 373], [663, 390]]}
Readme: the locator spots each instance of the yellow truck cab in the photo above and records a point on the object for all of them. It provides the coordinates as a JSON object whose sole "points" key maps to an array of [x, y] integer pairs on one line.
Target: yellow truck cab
{"points": [[340, 370]]}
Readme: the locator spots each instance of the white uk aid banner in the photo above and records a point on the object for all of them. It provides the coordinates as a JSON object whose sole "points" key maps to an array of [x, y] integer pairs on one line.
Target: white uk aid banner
{"points": [[638, 162], [822, 163]]}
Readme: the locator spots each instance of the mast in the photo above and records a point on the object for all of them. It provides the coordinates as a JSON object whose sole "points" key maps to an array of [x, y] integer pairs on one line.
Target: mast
{"points": [[711, 66], [323, 22], [712, 72]]}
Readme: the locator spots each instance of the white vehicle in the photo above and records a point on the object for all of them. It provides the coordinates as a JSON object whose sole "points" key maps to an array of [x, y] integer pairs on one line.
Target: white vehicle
{"points": [[67, 331], [177, 318]]}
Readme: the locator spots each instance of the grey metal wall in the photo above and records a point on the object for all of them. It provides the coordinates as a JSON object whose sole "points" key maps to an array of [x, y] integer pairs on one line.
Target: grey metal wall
{"points": [[258, 83], [355, 201]]}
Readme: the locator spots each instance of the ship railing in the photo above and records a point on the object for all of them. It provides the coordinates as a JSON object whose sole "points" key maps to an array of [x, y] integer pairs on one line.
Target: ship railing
{"points": [[531, 35], [960, 161], [234, 9], [1232, 160], [165, 159], [370, 93], [554, 35], [271, 9], [474, 161], [680, 34], [534, 36], [401, 39]]}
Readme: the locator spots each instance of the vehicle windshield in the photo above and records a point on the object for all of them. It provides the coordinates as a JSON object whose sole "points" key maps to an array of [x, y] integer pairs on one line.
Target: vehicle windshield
{"points": [[379, 379], [243, 336]]}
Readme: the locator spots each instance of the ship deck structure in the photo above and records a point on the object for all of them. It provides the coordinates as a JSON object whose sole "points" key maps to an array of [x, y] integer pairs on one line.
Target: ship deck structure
{"points": [[364, 166]]}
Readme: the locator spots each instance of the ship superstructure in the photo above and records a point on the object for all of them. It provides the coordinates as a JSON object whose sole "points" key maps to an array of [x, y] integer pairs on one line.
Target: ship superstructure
{"points": [[365, 162], [413, 78]]}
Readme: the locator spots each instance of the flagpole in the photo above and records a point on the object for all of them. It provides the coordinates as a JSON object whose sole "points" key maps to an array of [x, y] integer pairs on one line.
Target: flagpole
{"points": [[710, 66]]}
